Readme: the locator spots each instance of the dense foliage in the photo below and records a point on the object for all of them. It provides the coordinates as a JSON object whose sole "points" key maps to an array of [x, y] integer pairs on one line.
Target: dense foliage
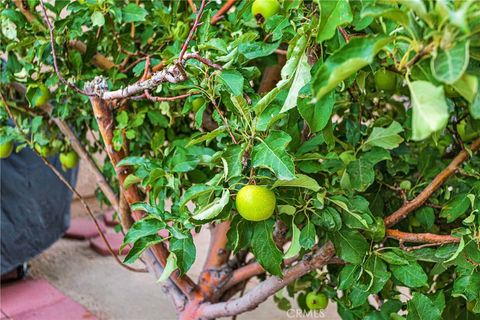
{"points": [[374, 99]]}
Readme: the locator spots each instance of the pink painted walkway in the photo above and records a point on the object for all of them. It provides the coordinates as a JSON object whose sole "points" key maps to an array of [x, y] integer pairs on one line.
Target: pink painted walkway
{"points": [[38, 300]]}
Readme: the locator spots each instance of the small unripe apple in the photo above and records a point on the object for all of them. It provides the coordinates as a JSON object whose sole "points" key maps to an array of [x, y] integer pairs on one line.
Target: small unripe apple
{"points": [[6, 149], [316, 301], [255, 203], [264, 9]]}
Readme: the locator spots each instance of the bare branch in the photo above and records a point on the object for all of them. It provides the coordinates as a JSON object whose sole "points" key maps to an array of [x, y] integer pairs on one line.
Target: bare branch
{"points": [[192, 31], [219, 15], [440, 179], [421, 237], [265, 289], [159, 99]]}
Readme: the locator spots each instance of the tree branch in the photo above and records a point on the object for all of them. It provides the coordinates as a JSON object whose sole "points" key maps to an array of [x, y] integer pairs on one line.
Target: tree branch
{"points": [[196, 24], [104, 117], [419, 200], [421, 237], [219, 15], [265, 289]]}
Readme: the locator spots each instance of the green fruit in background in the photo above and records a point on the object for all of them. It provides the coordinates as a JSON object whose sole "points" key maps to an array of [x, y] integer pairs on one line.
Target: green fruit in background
{"points": [[414, 222], [470, 305], [316, 301], [450, 92], [264, 9], [385, 80], [44, 151], [197, 104], [41, 96], [377, 231], [255, 203], [6, 149], [69, 160]]}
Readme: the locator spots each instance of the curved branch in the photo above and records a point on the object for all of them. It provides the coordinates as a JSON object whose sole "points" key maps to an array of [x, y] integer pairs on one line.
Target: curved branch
{"points": [[432, 187], [421, 237], [265, 289]]}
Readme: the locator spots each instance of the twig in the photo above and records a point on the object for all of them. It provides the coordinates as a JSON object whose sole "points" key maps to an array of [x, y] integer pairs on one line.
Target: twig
{"points": [[192, 6], [344, 34], [158, 99], [225, 121], [54, 54], [203, 60], [419, 200], [192, 31], [72, 189], [421, 237], [219, 15]]}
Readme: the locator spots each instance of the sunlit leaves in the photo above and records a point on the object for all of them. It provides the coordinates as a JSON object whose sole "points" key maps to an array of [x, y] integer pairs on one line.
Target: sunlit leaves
{"points": [[386, 138], [430, 111], [270, 153], [133, 13], [355, 55], [449, 64], [332, 15]]}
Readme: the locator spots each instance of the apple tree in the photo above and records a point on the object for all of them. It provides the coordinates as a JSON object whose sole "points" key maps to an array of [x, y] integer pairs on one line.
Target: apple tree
{"points": [[329, 146]]}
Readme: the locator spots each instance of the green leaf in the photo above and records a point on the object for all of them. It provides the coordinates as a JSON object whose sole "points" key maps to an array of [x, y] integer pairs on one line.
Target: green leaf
{"points": [[350, 245], [333, 14], [270, 153], [170, 266], [233, 156], [386, 138], [239, 234], [142, 228], [98, 20], [450, 64], [361, 173], [301, 78], [253, 50], [141, 245], [420, 307], [214, 208], [133, 13], [130, 180], [185, 251], [307, 236], [287, 73], [348, 276], [455, 208], [467, 87], [233, 80], [264, 248], [317, 114], [301, 181], [430, 110], [295, 247], [355, 55], [328, 219], [392, 258], [411, 275]]}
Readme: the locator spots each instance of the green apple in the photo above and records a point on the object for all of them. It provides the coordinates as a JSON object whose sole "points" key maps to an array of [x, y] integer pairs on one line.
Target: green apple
{"points": [[255, 203]]}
